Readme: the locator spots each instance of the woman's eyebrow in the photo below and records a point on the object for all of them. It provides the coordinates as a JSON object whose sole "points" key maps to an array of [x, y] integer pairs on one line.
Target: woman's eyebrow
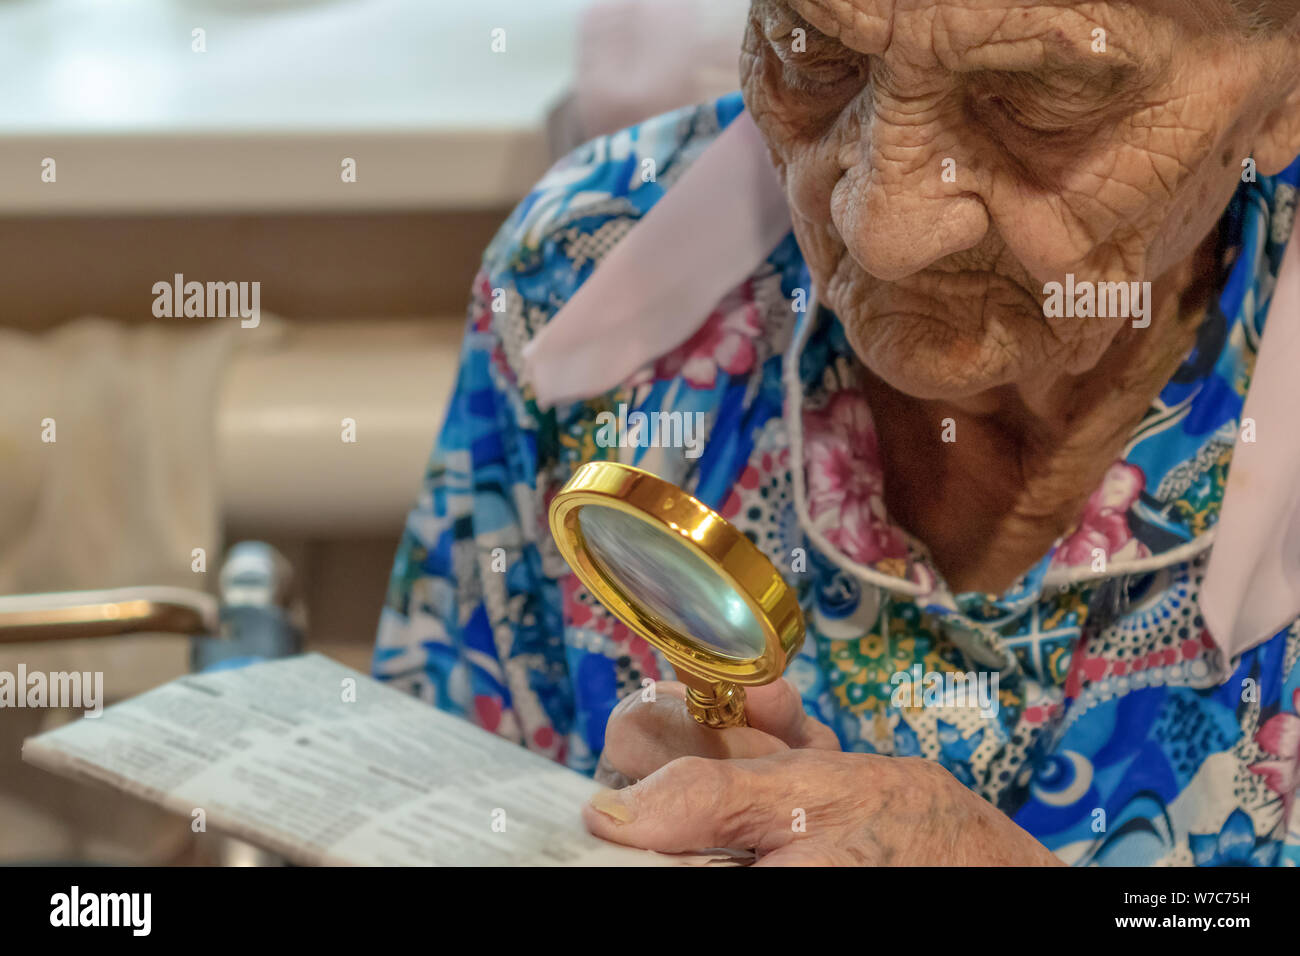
{"points": [[868, 22], [1054, 50]]}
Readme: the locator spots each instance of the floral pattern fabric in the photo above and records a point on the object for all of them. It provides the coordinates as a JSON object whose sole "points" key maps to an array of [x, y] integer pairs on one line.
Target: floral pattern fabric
{"points": [[1119, 735]]}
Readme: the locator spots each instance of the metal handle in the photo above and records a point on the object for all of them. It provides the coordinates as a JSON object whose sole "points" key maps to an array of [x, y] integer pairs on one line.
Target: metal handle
{"points": [[68, 615]]}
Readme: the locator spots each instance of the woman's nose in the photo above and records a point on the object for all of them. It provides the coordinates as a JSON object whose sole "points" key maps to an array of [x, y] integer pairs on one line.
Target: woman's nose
{"points": [[906, 201]]}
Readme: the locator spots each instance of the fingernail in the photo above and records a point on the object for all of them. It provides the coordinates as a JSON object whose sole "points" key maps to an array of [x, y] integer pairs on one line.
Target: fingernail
{"points": [[611, 804]]}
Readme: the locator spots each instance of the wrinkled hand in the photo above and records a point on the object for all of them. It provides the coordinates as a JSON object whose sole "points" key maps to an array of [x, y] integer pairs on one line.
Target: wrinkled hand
{"points": [[642, 736], [782, 788]]}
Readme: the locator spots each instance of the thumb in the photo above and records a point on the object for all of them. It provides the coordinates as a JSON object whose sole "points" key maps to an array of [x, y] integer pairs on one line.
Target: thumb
{"points": [[644, 735], [693, 803]]}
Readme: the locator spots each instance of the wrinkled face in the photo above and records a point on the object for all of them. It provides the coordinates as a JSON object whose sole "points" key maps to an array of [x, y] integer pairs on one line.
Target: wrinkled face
{"points": [[944, 159]]}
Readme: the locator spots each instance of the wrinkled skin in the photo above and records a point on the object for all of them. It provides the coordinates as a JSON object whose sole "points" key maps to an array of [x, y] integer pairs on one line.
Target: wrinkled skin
{"points": [[749, 786], [1112, 166]]}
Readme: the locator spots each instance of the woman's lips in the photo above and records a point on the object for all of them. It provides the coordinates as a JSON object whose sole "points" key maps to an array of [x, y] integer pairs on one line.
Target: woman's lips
{"points": [[964, 300]]}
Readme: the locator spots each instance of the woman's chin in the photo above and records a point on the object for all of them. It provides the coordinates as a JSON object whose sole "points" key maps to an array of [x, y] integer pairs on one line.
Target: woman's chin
{"points": [[930, 360]]}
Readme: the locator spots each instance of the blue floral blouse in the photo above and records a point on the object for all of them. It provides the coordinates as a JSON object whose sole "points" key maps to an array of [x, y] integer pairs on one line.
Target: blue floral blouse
{"points": [[1118, 733]]}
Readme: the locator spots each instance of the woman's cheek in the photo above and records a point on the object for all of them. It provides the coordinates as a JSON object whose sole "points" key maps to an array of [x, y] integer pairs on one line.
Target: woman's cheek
{"points": [[808, 200], [1189, 218], [811, 175]]}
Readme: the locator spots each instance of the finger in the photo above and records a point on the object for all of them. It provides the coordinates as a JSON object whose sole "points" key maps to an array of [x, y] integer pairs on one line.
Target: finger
{"points": [[809, 853], [791, 856], [644, 735], [607, 775], [693, 804], [777, 709]]}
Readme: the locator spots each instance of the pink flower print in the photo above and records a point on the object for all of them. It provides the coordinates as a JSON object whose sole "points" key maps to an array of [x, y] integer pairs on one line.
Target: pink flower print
{"points": [[1103, 523], [482, 301], [1280, 737], [725, 341], [846, 481]]}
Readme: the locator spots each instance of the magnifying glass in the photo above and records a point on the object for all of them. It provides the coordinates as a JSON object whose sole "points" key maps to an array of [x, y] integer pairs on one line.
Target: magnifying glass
{"points": [[677, 573]]}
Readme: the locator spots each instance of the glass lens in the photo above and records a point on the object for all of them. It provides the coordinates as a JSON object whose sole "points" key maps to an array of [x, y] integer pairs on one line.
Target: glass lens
{"points": [[658, 571]]}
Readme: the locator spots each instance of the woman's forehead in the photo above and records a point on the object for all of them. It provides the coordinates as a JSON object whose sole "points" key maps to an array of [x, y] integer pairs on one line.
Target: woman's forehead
{"points": [[868, 25], [971, 35]]}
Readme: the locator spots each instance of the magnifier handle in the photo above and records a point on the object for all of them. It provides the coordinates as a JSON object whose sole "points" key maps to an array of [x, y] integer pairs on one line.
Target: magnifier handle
{"points": [[718, 705]]}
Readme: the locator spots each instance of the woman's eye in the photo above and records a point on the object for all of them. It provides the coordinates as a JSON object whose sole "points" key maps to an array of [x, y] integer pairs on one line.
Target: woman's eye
{"points": [[810, 60], [1050, 108], [816, 70], [820, 79], [1020, 117], [1029, 111]]}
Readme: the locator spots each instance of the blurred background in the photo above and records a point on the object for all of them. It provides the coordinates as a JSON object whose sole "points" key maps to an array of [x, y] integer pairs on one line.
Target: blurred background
{"points": [[142, 139]]}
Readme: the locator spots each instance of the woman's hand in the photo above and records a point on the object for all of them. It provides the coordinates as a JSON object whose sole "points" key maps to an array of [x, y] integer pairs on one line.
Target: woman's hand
{"points": [[782, 788], [815, 808], [644, 735]]}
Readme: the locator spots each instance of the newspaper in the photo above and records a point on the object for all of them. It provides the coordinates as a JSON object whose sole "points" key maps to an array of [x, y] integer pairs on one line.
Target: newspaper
{"points": [[323, 765]]}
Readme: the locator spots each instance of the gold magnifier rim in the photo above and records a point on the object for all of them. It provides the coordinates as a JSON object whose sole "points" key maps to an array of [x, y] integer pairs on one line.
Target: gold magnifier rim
{"points": [[727, 551]]}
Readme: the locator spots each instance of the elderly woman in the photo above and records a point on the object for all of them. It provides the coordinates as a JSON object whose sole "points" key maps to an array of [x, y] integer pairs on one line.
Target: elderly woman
{"points": [[981, 460]]}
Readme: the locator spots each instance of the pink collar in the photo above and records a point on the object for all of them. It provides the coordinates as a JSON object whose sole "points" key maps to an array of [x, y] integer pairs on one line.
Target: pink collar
{"points": [[728, 211], [1252, 584]]}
